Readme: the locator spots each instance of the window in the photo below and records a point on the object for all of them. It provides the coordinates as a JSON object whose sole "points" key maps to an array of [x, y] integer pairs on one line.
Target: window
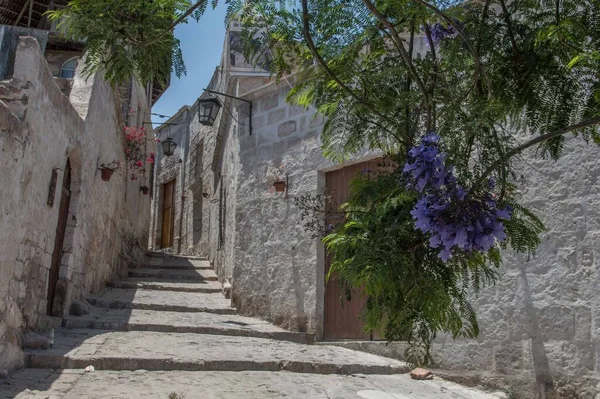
{"points": [[68, 68]]}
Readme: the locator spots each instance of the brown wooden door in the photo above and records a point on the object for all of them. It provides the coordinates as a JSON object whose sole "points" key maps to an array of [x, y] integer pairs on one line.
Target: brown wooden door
{"points": [[342, 317], [167, 214], [63, 213]]}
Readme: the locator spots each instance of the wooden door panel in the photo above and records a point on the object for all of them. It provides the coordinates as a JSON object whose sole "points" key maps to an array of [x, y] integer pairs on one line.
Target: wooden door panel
{"points": [[63, 213], [167, 214], [342, 317]]}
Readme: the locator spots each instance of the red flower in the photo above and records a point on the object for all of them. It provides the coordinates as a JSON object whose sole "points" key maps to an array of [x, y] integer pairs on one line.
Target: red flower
{"points": [[139, 163]]}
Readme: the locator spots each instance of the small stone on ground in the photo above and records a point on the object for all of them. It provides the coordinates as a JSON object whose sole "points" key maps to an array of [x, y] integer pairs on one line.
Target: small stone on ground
{"points": [[421, 374]]}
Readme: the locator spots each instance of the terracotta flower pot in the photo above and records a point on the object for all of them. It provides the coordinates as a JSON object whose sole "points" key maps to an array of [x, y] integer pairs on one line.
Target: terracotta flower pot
{"points": [[144, 190], [279, 186], [106, 173]]}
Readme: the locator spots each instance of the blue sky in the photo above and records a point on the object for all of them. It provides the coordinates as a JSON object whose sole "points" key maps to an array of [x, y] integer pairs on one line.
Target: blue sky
{"points": [[202, 45]]}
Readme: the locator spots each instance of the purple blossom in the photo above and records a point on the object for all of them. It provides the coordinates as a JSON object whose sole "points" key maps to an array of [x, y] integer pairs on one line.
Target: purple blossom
{"points": [[428, 164], [453, 218], [439, 32]]}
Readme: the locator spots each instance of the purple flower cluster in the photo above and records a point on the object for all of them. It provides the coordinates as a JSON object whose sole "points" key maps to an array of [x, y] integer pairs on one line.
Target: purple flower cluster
{"points": [[428, 166], [439, 32], [454, 218]]}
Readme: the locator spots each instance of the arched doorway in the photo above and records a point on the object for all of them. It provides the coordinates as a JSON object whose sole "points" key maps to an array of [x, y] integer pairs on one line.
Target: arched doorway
{"points": [[63, 212]]}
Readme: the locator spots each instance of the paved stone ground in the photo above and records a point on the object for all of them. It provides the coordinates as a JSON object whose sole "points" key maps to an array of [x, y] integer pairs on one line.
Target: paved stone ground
{"points": [[75, 384], [167, 336]]}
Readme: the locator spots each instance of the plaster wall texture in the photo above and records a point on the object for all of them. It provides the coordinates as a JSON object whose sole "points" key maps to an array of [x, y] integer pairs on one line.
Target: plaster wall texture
{"points": [[107, 221]]}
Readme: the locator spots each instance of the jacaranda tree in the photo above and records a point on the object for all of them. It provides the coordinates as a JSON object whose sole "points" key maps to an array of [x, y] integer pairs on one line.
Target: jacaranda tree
{"points": [[452, 92]]}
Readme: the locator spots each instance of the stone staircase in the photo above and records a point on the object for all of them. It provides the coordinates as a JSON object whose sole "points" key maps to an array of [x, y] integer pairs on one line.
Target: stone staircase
{"points": [[170, 315]]}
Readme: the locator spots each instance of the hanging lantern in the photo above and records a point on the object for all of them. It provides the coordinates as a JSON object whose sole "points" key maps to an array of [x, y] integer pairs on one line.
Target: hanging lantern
{"points": [[168, 146], [208, 110]]}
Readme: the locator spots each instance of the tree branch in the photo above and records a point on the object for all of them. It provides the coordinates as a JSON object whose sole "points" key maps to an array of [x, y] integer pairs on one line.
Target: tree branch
{"points": [[478, 64], [484, 12], [532, 142], [434, 72], [506, 14], [400, 46], [179, 20], [323, 64]]}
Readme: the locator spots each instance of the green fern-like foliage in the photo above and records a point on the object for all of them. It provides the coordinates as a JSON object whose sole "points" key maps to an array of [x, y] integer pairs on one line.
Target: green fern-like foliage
{"points": [[132, 38], [412, 295], [491, 78]]}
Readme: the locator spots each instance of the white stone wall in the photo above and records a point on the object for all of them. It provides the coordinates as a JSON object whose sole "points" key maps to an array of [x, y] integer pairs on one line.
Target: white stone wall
{"points": [[107, 221], [540, 324], [277, 274]]}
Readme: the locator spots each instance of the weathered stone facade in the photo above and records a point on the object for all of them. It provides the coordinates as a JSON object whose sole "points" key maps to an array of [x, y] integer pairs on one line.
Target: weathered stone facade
{"points": [[106, 229], [539, 323]]}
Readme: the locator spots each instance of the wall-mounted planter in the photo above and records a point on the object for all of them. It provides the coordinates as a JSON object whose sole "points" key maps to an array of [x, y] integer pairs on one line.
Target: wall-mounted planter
{"points": [[279, 185], [144, 190], [106, 173]]}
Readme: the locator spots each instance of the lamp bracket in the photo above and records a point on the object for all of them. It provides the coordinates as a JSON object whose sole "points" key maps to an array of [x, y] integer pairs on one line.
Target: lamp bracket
{"points": [[240, 99]]}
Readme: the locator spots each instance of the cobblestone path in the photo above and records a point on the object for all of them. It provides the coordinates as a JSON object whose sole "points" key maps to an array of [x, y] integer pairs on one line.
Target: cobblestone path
{"points": [[168, 330]]}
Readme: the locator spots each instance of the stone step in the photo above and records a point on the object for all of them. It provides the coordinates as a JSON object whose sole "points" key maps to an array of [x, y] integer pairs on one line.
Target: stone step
{"points": [[138, 350], [180, 322], [163, 301], [203, 266], [176, 263], [167, 274], [169, 285], [164, 255]]}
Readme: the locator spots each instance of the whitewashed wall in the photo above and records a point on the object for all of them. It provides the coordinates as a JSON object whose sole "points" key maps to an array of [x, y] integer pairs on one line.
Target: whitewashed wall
{"points": [[107, 226]]}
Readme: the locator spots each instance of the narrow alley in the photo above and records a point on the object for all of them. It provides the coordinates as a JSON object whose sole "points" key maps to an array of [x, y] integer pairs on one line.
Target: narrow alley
{"points": [[167, 330], [329, 199]]}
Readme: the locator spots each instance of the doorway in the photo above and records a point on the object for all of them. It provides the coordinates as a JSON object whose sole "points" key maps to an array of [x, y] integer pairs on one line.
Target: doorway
{"points": [[168, 208], [63, 212], [342, 317]]}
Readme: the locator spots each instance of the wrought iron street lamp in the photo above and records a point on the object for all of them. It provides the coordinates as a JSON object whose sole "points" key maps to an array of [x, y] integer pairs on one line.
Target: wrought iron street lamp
{"points": [[168, 146], [208, 110]]}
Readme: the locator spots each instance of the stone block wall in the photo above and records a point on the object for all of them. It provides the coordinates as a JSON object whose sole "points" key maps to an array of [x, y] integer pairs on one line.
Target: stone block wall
{"points": [[540, 333], [276, 271], [107, 222]]}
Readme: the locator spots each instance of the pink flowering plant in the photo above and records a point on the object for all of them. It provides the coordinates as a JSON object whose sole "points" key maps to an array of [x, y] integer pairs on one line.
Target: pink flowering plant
{"points": [[136, 151]]}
